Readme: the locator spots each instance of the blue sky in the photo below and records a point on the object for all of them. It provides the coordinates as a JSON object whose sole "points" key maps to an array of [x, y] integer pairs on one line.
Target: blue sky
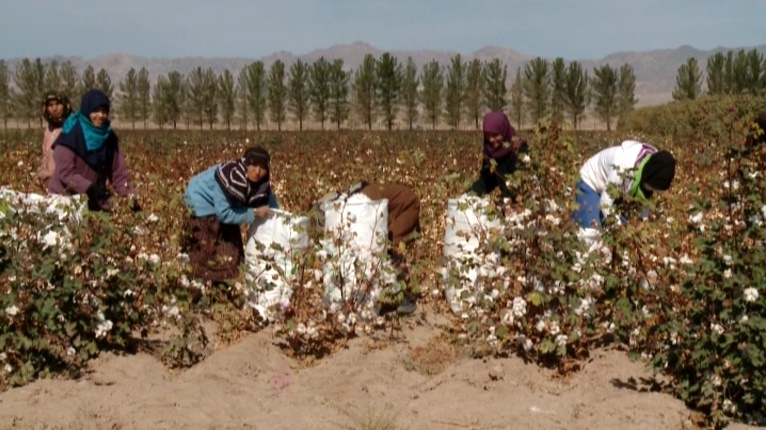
{"points": [[573, 29]]}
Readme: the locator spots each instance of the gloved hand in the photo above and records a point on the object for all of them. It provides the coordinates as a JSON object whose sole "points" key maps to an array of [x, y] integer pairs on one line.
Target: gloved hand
{"points": [[97, 191]]}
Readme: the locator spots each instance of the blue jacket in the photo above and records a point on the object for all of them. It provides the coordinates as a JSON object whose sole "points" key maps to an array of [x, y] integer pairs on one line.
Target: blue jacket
{"points": [[205, 197]]}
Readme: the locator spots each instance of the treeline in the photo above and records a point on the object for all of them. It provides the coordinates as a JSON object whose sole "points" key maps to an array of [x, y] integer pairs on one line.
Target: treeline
{"points": [[380, 92], [742, 73]]}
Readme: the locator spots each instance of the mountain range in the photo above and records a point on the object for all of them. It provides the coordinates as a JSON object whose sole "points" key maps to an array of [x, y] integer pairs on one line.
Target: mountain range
{"points": [[655, 70]]}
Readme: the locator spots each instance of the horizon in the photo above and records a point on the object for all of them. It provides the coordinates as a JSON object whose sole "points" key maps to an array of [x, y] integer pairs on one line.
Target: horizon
{"points": [[240, 29]]}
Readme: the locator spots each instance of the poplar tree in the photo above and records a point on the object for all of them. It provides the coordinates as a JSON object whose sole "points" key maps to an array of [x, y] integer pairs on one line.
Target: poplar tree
{"points": [[29, 79], [577, 92], [319, 89], [339, 89], [69, 79], [688, 81], [144, 95], [474, 91], [517, 98], [432, 78], [104, 83], [226, 97], [626, 89], [558, 89], [364, 90], [495, 88], [388, 87], [455, 91], [244, 109], [6, 94], [716, 75], [201, 101], [298, 91], [277, 93], [52, 77], [256, 90], [159, 107], [174, 97], [88, 80], [537, 88], [410, 92], [605, 96], [128, 97]]}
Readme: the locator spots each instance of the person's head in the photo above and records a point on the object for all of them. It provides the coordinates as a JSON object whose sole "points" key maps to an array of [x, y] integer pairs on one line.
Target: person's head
{"points": [[757, 135], [658, 173], [95, 106], [55, 108], [497, 129], [257, 161]]}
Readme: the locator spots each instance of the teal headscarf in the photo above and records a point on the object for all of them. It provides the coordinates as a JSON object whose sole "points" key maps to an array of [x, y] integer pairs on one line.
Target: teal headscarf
{"points": [[94, 136]]}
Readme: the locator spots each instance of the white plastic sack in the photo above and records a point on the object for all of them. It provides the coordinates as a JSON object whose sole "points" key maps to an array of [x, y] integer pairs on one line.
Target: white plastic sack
{"points": [[468, 262], [272, 245], [358, 221], [354, 269]]}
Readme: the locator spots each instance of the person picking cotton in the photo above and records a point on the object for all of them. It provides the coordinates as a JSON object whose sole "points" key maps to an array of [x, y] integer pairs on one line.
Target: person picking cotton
{"points": [[637, 169]]}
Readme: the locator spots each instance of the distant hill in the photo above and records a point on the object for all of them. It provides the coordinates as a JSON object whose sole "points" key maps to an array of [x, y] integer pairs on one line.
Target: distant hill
{"points": [[655, 70]]}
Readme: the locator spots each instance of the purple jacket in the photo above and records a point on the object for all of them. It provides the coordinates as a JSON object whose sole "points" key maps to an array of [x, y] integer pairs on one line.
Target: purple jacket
{"points": [[73, 176]]}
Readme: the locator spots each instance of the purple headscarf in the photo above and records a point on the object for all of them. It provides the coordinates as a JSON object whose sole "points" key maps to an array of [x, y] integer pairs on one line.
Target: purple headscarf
{"points": [[496, 122]]}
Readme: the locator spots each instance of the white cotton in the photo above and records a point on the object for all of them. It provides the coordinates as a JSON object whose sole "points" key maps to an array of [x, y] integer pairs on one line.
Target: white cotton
{"points": [[12, 310], [103, 328], [751, 294]]}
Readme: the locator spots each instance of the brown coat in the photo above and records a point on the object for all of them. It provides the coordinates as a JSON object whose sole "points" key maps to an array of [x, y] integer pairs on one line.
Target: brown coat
{"points": [[403, 209]]}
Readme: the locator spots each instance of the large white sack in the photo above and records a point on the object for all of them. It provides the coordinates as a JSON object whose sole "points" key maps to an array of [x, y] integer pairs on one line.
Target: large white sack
{"points": [[270, 251], [469, 263], [354, 267], [358, 220]]}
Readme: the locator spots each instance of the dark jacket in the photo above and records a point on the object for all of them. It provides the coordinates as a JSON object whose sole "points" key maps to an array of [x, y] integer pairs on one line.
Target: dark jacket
{"points": [[489, 180]]}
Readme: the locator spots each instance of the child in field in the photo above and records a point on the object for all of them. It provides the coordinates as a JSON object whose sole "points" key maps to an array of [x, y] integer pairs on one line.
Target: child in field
{"points": [[55, 109], [500, 154], [87, 156], [637, 169], [220, 199]]}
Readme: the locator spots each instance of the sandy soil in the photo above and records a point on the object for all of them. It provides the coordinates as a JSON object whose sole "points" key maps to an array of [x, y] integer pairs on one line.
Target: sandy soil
{"points": [[410, 381]]}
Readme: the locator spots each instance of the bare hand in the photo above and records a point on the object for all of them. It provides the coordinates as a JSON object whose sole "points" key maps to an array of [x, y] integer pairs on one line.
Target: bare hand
{"points": [[263, 212]]}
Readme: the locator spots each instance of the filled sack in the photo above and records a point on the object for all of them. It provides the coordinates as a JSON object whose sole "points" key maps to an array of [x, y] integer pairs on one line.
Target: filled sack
{"points": [[272, 248]]}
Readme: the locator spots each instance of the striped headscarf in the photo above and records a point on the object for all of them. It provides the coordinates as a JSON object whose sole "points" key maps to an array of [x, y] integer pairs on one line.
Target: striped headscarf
{"points": [[232, 177]]}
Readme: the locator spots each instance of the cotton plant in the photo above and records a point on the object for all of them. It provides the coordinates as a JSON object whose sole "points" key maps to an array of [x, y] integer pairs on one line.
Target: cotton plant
{"points": [[472, 261]]}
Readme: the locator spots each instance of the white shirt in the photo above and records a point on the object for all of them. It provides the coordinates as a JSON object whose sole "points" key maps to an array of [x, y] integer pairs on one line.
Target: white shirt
{"points": [[614, 165]]}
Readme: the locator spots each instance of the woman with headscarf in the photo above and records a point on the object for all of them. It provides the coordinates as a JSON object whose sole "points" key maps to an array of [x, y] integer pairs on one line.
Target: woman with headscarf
{"points": [[500, 154], [87, 156], [220, 199], [55, 110], [636, 168]]}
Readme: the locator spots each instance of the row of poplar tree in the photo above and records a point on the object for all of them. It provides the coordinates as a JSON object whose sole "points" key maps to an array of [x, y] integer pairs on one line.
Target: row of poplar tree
{"points": [[743, 72], [380, 91]]}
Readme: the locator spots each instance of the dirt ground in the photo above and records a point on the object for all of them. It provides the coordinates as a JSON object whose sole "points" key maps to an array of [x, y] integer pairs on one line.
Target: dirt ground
{"points": [[414, 380]]}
